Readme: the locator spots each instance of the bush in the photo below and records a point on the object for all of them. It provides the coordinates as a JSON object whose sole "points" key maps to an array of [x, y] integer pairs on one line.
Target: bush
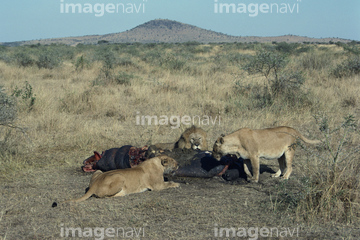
{"points": [[81, 62], [286, 47], [173, 63], [106, 75], [282, 88], [23, 60], [8, 109], [152, 57], [334, 185], [288, 89], [26, 94], [350, 47], [266, 63], [48, 59], [348, 68], [285, 91], [329, 189], [123, 78]]}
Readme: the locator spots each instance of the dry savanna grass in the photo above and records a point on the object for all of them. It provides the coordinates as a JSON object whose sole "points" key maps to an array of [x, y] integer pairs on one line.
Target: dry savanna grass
{"points": [[86, 98]]}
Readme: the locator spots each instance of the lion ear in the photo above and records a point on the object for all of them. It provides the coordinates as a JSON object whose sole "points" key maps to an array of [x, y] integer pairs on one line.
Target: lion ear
{"points": [[220, 141]]}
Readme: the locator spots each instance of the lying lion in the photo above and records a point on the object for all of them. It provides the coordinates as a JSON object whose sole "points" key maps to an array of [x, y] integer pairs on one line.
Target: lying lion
{"points": [[269, 143], [146, 176], [192, 138]]}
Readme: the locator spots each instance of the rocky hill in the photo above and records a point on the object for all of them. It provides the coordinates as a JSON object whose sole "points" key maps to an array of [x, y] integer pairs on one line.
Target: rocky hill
{"points": [[168, 31]]}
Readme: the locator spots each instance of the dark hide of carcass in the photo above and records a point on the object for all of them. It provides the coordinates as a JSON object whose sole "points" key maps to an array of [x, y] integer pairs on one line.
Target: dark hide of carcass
{"points": [[115, 158], [192, 163], [200, 164]]}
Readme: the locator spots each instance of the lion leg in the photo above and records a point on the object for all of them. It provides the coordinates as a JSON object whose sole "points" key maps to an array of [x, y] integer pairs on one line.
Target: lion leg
{"points": [[255, 163], [282, 167], [120, 194], [247, 166], [289, 155], [110, 186], [165, 185], [171, 184], [124, 192]]}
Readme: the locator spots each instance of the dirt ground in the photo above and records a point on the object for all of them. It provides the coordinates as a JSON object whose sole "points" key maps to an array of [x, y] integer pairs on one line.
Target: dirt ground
{"points": [[199, 209]]}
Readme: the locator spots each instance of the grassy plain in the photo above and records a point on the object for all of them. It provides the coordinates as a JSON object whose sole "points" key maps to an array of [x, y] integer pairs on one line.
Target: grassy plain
{"points": [[72, 101]]}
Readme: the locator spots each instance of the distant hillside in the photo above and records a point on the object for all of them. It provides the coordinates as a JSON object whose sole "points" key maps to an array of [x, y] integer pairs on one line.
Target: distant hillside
{"points": [[168, 31]]}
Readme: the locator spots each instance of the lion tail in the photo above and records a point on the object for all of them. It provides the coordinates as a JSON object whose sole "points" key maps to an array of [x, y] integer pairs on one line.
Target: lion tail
{"points": [[87, 195], [306, 140]]}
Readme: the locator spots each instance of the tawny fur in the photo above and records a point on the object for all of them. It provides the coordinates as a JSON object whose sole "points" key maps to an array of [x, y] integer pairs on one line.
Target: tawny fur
{"points": [[269, 143], [191, 138], [146, 176]]}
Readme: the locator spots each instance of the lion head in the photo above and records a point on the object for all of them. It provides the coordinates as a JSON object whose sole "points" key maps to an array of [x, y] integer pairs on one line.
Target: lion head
{"points": [[217, 152], [170, 164], [196, 141], [193, 138]]}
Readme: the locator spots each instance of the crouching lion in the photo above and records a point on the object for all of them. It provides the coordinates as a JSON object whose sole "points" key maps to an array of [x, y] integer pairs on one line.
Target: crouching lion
{"points": [[269, 143], [191, 138], [146, 176]]}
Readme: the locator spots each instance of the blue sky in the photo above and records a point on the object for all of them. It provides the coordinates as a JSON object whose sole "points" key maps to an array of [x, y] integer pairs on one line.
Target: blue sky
{"points": [[40, 19]]}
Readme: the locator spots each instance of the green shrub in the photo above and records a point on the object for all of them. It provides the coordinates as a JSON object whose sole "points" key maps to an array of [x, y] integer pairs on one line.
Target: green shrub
{"points": [[123, 78], [126, 62], [152, 57], [280, 88], [81, 62], [109, 61], [173, 63], [23, 59], [237, 58], [304, 48], [8, 109], [266, 63], [26, 94], [9, 140], [351, 47], [285, 91], [348, 68], [48, 59], [286, 47], [288, 89]]}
